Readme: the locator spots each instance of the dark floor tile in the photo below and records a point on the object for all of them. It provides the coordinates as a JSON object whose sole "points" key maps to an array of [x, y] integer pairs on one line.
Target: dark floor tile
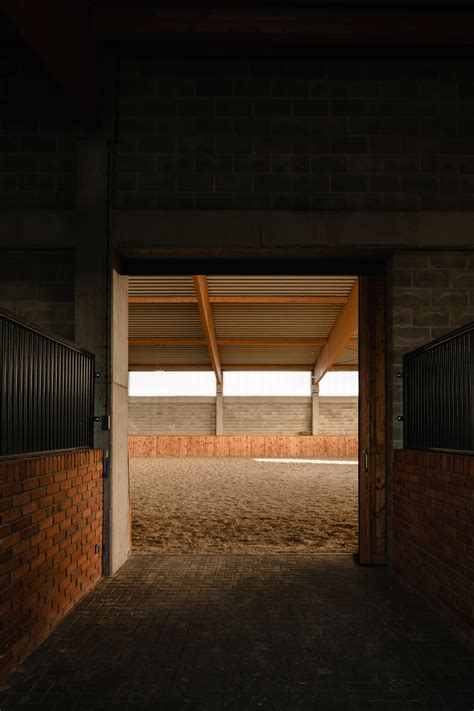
{"points": [[236, 633]]}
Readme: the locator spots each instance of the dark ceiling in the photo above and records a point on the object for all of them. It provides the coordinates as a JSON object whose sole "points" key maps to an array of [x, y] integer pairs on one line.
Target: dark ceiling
{"points": [[288, 3]]}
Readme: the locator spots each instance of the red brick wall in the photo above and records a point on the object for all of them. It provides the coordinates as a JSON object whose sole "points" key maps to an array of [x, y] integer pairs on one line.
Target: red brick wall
{"points": [[51, 511], [433, 533]]}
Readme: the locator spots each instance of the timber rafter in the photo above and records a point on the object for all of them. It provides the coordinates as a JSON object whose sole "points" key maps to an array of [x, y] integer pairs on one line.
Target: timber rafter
{"points": [[207, 322], [340, 335]]}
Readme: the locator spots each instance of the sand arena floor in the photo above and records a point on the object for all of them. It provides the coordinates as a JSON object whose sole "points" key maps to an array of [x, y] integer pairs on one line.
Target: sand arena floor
{"points": [[237, 505]]}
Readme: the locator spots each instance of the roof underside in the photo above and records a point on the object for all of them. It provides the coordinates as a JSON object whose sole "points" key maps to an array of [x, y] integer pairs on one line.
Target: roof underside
{"points": [[166, 330]]}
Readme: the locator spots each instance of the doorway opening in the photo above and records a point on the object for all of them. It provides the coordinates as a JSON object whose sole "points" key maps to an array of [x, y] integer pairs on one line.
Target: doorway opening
{"points": [[243, 413]]}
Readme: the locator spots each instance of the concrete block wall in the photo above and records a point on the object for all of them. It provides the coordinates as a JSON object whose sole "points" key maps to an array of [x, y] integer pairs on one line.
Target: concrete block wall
{"points": [[242, 416], [338, 415], [267, 415], [37, 141], [225, 132], [39, 286], [172, 416], [431, 294]]}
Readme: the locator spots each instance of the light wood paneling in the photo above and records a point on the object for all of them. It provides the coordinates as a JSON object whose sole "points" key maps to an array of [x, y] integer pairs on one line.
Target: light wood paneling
{"points": [[278, 446]]}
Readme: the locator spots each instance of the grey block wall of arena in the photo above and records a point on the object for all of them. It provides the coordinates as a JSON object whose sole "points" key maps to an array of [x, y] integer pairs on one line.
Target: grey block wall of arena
{"points": [[242, 415]]}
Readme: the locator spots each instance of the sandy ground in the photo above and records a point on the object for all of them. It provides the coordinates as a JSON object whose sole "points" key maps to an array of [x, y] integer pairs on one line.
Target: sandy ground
{"points": [[242, 505]]}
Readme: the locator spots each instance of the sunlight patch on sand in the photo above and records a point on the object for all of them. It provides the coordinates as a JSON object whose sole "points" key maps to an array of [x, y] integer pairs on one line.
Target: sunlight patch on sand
{"points": [[307, 461]]}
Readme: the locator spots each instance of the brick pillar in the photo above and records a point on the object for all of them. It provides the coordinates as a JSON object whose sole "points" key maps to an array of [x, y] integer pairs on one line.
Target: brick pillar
{"points": [[219, 410], [315, 408]]}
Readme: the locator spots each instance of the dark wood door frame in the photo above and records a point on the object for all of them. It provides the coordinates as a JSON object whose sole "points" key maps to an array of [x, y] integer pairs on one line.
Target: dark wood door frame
{"points": [[372, 419], [372, 366]]}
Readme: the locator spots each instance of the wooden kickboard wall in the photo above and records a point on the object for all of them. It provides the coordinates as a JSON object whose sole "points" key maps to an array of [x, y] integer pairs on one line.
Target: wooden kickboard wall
{"points": [[284, 447]]}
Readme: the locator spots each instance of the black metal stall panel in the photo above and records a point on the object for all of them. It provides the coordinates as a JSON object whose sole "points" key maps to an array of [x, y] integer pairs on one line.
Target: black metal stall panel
{"points": [[439, 394], [46, 391]]}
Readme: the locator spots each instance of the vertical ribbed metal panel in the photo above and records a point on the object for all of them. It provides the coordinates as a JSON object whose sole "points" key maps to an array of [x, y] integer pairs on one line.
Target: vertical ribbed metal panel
{"points": [[47, 392], [439, 394]]}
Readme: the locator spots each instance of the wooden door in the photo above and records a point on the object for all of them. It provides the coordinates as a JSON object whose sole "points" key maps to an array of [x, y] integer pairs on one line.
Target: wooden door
{"points": [[372, 420]]}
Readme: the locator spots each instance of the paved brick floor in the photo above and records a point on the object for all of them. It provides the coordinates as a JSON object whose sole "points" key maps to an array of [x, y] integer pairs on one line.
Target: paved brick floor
{"points": [[246, 632]]}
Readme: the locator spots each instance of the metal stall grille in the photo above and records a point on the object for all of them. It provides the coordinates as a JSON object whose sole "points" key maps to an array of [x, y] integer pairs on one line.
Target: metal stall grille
{"points": [[47, 391], [439, 394]]}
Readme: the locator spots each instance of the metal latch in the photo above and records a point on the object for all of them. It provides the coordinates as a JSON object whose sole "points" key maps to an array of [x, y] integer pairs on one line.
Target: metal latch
{"points": [[366, 461]]}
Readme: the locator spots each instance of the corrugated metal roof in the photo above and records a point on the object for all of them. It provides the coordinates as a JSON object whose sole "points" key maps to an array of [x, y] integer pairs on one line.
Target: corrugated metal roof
{"points": [[164, 320], [168, 355], [268, 320], [161, 286], [264, 355], [182, 320], [280, 285]]}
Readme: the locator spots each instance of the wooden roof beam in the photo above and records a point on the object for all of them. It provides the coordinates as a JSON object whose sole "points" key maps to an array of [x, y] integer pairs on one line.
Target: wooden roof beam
{"points": [[340, 335], [207, 321]]}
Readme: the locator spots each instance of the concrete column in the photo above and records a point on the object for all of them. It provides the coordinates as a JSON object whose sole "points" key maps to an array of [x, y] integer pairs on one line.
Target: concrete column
{"points": [[88, 227], [315, 408], [102, 327], [119, 479], [219, 410]]}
